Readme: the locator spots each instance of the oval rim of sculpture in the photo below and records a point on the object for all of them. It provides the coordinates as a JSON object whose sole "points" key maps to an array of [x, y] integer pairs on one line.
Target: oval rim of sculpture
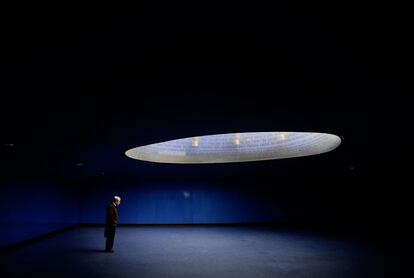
{"points": [[236, 147]]}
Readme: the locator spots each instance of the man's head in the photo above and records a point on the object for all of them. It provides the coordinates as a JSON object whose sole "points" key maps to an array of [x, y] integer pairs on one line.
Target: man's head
{"points": [[117, 200]]}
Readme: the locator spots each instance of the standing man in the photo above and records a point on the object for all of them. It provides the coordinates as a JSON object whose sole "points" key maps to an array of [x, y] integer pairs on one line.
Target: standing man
{"points": [[111, 222]]}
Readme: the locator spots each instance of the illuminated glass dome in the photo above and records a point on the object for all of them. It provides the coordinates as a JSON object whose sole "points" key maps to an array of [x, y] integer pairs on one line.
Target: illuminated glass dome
{"points": [[236, 147]]}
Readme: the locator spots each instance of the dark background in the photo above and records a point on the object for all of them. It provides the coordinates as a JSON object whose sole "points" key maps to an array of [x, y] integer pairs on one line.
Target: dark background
{"points": [[79, 87]]}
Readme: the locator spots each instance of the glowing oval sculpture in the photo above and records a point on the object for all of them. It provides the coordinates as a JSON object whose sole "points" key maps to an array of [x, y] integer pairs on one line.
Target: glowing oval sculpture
{"points": [[236, 147]]}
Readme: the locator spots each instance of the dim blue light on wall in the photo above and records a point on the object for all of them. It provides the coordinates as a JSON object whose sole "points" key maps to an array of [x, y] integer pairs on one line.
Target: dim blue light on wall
{"points": [[236, 147]]}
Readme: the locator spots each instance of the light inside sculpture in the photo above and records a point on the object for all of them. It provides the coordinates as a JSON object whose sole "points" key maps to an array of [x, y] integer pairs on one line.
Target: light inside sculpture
{"points": [[236, 147]]}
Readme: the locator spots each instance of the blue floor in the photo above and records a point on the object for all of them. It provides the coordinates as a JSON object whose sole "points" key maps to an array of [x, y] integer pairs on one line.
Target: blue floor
{"points": [[193, 251]]}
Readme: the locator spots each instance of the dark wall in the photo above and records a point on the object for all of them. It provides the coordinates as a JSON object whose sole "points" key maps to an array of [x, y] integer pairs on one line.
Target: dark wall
{"points": [[174, 202], [30, 209], [292, 190], [323, 191]]}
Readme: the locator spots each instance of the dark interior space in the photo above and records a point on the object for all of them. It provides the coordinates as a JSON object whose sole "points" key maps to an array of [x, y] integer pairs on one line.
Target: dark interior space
{"points": [[82, 86]]}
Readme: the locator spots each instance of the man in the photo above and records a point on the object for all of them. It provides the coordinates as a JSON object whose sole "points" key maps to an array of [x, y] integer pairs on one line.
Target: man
{"points": [[111, 222]]}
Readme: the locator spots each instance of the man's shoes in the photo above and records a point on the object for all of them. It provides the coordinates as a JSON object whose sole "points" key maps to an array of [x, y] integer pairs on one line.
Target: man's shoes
{"points": [[109, 251]]}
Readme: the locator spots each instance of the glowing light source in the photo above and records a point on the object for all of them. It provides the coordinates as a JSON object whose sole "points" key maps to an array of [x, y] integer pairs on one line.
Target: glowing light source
{"points": [[196, 141], [237, 147], [237, 139]]}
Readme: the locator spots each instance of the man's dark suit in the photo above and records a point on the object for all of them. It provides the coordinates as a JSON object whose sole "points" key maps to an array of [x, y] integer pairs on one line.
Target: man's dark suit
{"points": [[110, 226]]}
